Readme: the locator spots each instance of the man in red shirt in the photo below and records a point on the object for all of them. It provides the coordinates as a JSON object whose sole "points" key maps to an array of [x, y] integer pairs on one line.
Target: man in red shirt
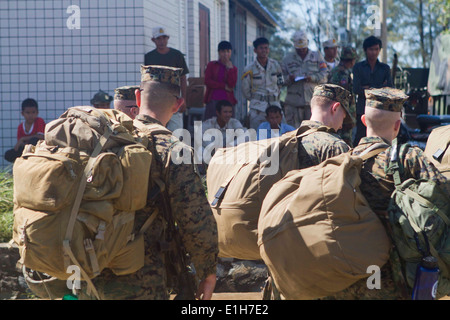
{"points": [[28, 132]]}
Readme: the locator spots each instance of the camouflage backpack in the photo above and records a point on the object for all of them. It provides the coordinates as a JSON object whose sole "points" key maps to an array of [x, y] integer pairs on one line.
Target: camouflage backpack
{"points": [[419, 219], [76, 193]]}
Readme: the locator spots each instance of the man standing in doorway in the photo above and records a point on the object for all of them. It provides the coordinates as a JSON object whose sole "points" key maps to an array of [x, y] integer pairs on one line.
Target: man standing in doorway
{"points": [[303, 69], [166, 56], [370, 73]]}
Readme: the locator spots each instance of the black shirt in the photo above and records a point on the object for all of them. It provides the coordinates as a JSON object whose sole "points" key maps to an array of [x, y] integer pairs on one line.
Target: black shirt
{"points": [[364, 76], [173, 58]]}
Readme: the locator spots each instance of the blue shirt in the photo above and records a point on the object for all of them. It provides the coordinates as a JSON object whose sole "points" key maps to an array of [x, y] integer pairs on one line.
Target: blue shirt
{"points": [[265, 126]]}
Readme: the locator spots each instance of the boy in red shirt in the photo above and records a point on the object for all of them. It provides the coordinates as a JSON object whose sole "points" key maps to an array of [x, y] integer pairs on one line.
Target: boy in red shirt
{"points": [[29, 132]]}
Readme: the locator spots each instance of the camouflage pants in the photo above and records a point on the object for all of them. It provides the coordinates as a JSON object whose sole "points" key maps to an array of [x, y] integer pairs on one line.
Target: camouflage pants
{"points": [[149, 283], [389, 289]]}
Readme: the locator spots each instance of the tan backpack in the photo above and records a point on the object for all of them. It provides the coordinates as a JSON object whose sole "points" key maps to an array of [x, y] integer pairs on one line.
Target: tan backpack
{"points": [[317, 233], [238, 179], [438, 149], [76, 193]]}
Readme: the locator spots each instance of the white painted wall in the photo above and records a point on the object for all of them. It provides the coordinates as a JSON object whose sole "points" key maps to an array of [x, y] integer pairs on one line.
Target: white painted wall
{"points": [[219, 30]]}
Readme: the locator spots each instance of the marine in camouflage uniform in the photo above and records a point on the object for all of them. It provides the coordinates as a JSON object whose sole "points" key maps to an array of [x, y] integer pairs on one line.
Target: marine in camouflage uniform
{"points": [[319, 146], [377, 186], [188, 203], [342, 75], [125, 100], [101, 100], [299, 93]]}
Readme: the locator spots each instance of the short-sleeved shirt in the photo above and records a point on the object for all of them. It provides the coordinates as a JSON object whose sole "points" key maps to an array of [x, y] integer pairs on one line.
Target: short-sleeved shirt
{"points": [[37, 127], [173, 58], [265, 131]]}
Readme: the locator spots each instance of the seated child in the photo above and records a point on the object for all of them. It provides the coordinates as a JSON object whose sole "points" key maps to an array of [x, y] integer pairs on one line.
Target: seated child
{"points": [[29, 132]]}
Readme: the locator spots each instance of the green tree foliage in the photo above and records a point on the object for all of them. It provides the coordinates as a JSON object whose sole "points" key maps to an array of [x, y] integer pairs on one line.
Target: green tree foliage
{"points": [[412, 25], [442, 9], [279, 45]]}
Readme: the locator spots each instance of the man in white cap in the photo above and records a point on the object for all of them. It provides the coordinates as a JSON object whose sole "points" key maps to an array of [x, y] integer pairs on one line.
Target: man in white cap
{"points": [[330, 49], [163, 55], [303, 69]]}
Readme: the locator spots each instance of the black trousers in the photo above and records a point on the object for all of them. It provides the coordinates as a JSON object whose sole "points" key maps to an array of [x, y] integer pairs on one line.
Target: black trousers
{"points": [[11, 155], [361, 130]]}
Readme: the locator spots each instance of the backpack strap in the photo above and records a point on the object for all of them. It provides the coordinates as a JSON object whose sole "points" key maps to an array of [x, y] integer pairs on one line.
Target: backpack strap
{"points": [[153, 128], [373, 150], [69, 256], [394, 163]]}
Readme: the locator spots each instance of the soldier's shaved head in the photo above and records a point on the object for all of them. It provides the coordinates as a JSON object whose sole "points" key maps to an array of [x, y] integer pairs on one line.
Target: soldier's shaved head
{"points": [[382, 123]]}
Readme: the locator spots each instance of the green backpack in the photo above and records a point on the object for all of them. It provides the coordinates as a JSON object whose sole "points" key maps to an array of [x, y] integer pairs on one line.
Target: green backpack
{"points": [[419, 218]]}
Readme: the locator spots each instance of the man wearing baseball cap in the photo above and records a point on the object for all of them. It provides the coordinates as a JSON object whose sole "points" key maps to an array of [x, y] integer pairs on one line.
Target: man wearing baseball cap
{"points": [[101, 100], [303, 69], [163, 55], [330, 49]]}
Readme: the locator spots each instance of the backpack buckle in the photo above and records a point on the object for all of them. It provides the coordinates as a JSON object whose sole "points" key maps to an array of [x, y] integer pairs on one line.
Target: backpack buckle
{"points": [[101, 231], [218, 196]]}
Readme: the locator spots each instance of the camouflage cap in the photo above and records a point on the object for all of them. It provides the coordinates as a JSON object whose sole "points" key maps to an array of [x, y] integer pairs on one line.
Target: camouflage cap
{"points": [[161, 74], [338, 94], [101, 97], [348, 53], [388, 99], [125, 93]]}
